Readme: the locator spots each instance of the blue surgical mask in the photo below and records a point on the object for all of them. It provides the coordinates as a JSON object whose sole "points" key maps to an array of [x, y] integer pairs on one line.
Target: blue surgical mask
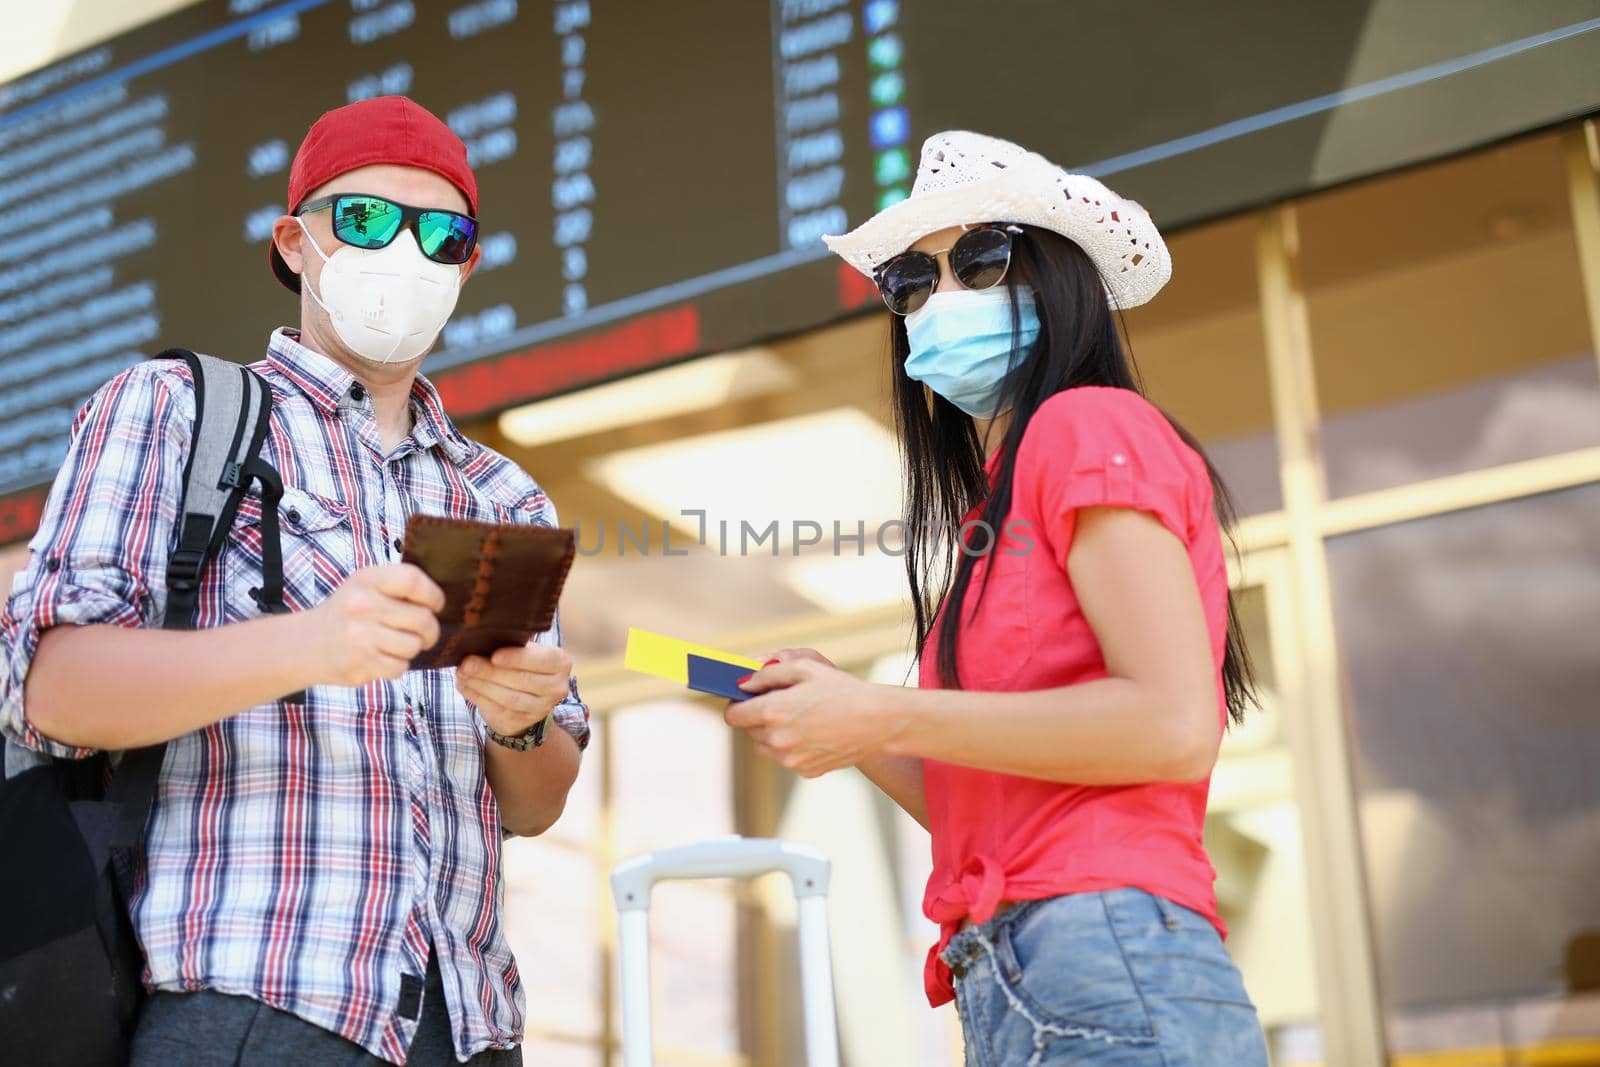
{"points": [[961, 344]]}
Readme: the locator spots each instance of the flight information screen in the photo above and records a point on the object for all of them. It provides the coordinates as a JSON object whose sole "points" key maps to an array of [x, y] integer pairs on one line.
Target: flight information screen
{"points": [[655, 176]]}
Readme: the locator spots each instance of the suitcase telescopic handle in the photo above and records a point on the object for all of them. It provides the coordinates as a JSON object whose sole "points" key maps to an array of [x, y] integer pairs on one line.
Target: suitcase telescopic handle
{"points": [[724, 857], [727, 857]]}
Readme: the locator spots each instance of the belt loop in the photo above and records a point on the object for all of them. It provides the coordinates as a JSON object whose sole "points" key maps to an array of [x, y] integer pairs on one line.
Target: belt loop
{"points": [[1006, 952]]}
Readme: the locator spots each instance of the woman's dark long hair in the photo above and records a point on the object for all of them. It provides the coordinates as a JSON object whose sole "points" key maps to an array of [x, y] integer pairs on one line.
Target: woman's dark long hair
{"points": [[1079, 344]]}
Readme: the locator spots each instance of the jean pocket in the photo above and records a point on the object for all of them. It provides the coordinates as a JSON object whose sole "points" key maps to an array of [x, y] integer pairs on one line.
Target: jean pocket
{"points": [[1057, 963]]}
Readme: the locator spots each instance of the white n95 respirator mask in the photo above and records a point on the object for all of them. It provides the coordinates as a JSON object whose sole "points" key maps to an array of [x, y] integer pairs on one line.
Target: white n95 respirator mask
{"points": [[386, 304]]}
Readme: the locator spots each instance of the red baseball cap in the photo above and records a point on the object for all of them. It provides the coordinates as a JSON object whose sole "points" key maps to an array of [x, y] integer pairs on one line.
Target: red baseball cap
{"points": [[385, 129]]}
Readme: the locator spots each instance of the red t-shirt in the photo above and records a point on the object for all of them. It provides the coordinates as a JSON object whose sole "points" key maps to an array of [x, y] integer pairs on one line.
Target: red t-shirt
{"points": [[999, 836]]}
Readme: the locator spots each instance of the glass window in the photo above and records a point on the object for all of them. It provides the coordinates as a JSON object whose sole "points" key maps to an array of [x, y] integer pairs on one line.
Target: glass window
{"points": [[878, 980], [671, 784], [579, 825], [1202, 351], [1254, 838], [551, 920], [1447, 319], [671, 776], [1470, 647], [547, 1052], [694, 971]]}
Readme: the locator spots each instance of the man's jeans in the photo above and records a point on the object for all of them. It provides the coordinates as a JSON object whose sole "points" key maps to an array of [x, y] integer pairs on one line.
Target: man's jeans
{"points": [[209, 1029]]}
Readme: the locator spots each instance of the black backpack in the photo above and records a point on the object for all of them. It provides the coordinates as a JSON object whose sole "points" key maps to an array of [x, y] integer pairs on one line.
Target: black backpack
{"points": [[70, 966]]}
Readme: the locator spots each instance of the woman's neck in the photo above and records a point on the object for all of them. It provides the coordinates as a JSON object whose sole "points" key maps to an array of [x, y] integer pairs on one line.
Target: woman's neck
{"points": [[991, 432]]}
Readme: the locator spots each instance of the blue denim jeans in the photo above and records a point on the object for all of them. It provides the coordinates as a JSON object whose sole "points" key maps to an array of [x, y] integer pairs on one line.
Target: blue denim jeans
{"points": [[1120, 977]]}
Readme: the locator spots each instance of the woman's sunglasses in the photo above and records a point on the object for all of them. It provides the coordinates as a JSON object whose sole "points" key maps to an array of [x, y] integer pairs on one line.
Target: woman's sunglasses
{"points": [[369, 222], [978, 259]]}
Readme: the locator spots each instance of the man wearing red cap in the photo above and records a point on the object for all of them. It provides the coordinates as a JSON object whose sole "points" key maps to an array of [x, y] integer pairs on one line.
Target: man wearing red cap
{"points": [[320, 878]]}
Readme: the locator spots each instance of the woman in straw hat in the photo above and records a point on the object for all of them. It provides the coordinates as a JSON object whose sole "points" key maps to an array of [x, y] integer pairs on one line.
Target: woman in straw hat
{"points": [[1080, 656]]}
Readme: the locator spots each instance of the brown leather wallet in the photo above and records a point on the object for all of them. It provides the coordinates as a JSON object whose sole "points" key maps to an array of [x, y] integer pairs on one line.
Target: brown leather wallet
{"points": [[501, 582]]}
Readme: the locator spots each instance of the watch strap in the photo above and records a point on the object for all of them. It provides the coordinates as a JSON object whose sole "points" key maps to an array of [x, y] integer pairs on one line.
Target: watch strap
{"points": [[532, 737]]}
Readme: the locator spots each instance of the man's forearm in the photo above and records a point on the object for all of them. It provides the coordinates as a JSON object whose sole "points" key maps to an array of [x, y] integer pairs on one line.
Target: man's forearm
{"points": [[531, 787], [116, 688]]}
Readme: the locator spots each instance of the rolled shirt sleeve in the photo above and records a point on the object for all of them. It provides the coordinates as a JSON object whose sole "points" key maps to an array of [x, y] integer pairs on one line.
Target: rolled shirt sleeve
{"points": [[100, 553], [1104, 447], [571, 714]]}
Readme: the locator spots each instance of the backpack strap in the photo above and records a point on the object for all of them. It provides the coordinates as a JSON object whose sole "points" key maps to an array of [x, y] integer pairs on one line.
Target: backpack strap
{"points": [[232, 408]]}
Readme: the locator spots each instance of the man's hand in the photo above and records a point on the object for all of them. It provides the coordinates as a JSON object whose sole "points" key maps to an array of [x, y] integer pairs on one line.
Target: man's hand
{"points": [[373, 624], [516, 687]]}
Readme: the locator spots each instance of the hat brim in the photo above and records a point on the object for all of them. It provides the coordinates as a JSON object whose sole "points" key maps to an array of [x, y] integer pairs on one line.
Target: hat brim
{"points": [[902, 224], [1117, 234]]}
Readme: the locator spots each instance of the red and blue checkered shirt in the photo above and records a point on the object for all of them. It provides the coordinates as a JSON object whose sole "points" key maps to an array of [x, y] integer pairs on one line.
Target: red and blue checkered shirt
{"points": [[307, 855]]}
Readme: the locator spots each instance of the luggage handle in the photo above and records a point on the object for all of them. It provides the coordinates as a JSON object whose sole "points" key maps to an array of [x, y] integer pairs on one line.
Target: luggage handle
{"points": [[722, 857], [726, 857]]}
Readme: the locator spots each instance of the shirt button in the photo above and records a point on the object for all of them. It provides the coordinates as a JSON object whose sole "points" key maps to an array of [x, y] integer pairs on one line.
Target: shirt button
{"points": [[293, 515], [1119, 459], [357, 393], [52, 564], [398, 545]]}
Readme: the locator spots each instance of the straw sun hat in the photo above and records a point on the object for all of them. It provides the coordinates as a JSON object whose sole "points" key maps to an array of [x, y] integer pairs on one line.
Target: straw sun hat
{"points": [[967, 178]]}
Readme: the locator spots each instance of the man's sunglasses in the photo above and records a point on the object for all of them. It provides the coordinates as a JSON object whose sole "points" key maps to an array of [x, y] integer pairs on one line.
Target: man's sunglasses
{"points": [[978, 259], [367, 221]]}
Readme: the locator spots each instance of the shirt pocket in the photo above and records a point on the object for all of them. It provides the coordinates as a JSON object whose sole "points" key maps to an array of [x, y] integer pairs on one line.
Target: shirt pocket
{"points": [[317, 543], [532, 511]]}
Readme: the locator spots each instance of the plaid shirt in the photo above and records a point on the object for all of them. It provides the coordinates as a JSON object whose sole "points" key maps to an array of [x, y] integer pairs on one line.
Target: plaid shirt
{"points": [[309, 854]]}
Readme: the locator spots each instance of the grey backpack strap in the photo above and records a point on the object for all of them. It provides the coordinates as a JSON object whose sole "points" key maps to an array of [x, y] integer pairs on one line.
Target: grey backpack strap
{"points": [[232, 406]]}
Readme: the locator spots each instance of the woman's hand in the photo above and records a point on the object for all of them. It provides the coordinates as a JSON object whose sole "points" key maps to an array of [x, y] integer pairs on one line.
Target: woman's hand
{"points": [[811, 717]]}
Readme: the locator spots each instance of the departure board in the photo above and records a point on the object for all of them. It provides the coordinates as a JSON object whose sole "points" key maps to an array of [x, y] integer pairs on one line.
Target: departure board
{"points": [[655, 176]]}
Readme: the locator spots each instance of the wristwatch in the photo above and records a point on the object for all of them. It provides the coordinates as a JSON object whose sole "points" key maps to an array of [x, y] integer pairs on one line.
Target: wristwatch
{"points": [[533, 737]]}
